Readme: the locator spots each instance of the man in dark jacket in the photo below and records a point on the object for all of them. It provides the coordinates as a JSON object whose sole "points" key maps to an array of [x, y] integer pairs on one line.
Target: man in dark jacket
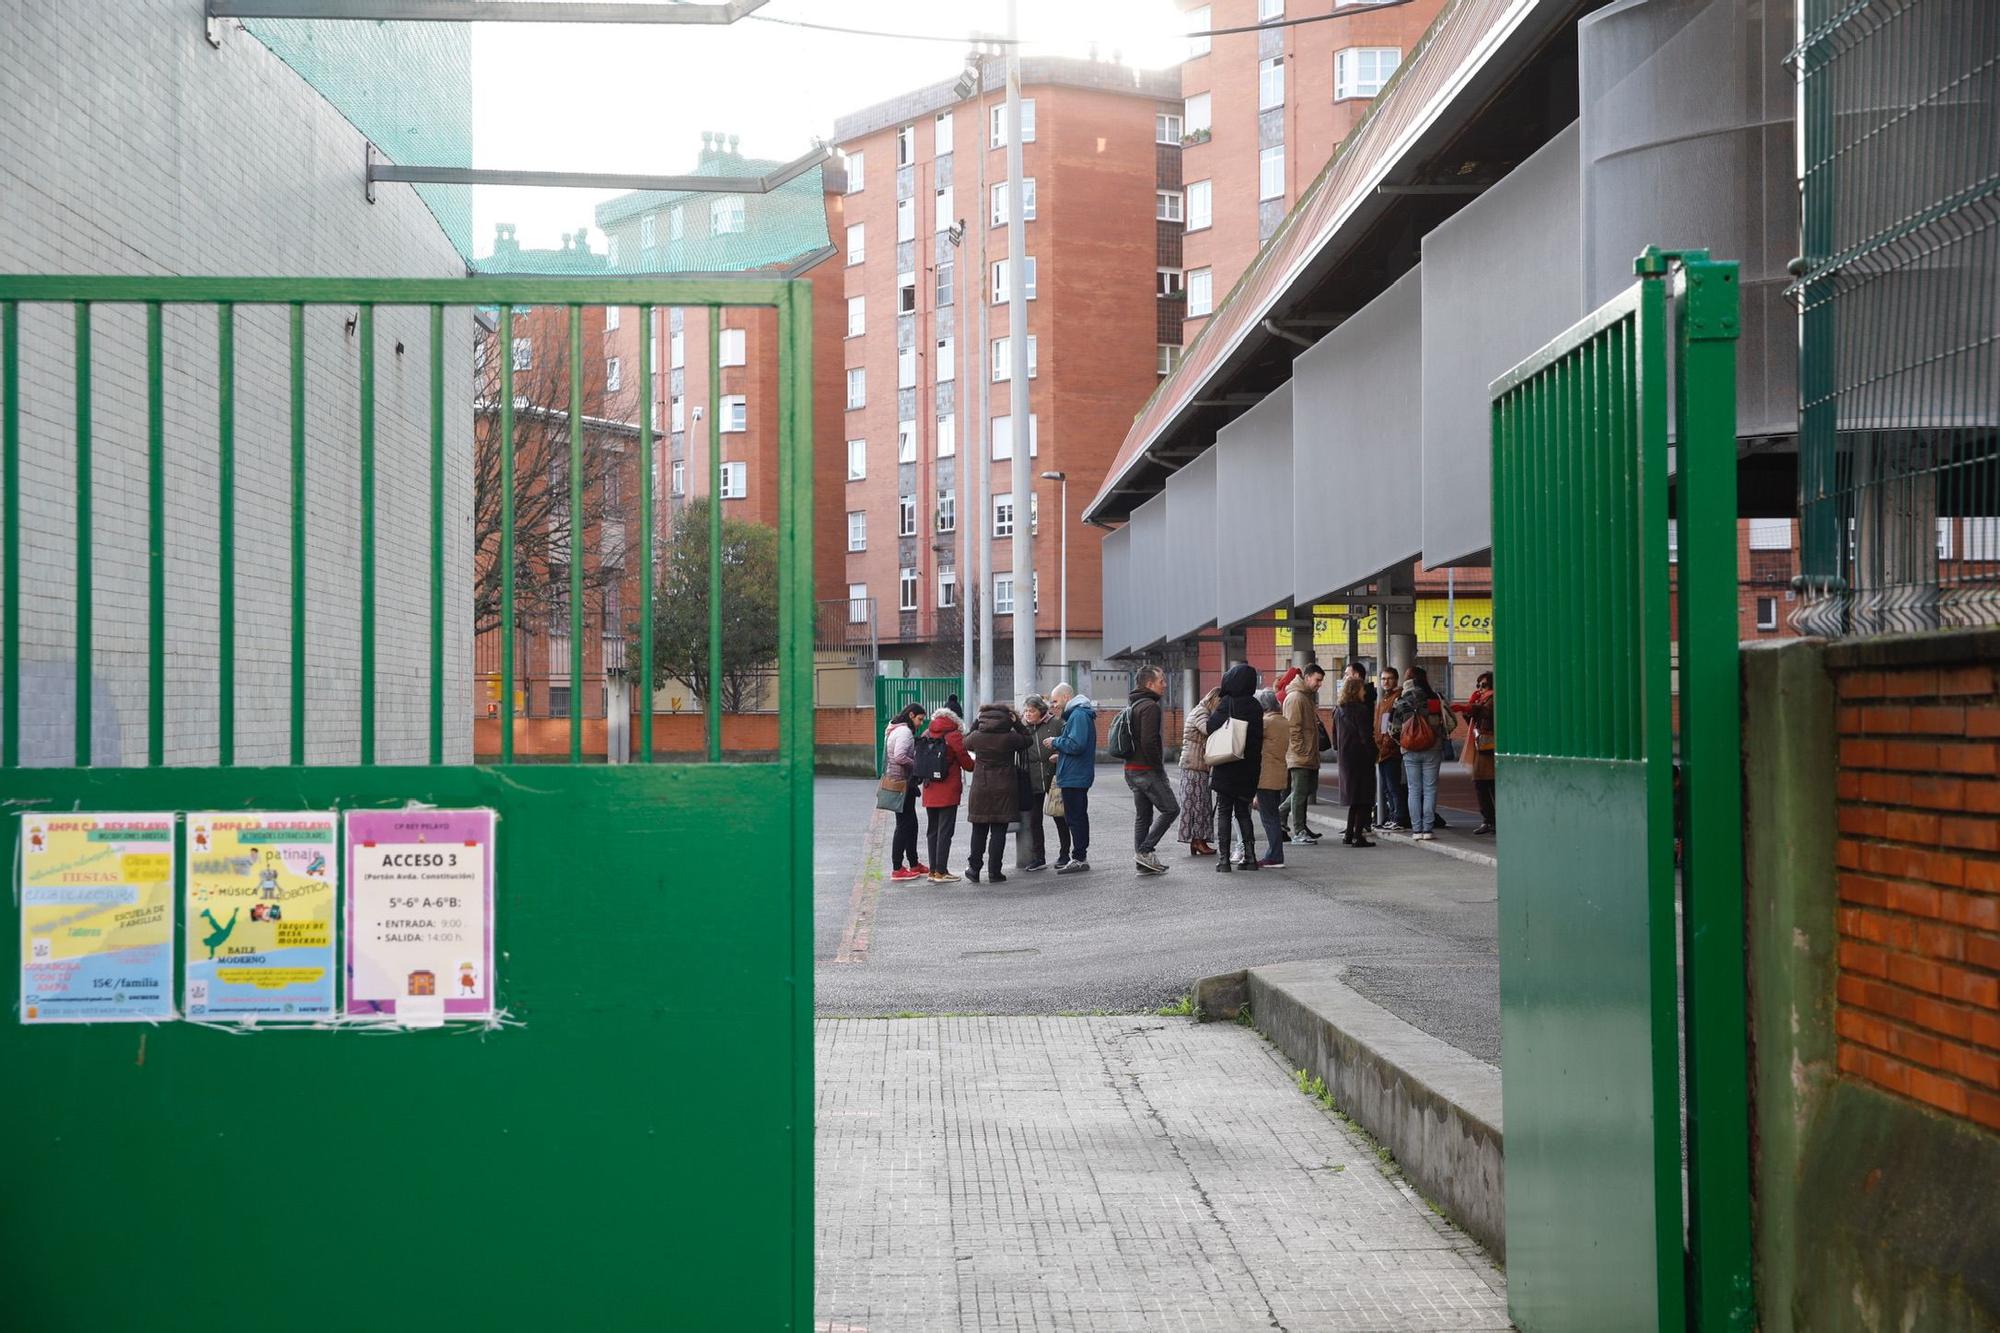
{"points": [[1146, 771]]}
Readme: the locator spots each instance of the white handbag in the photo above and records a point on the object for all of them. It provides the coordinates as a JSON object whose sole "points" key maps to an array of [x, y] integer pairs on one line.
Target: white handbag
{"points": [[1226, 744]]}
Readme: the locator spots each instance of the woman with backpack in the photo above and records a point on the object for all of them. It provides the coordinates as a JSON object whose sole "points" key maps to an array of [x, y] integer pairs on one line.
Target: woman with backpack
{"points": [[1421, 722], [899, 747], [1234, 780], [1354, 721], [941, 759], [996, 739], [1197, 801], [1478, 713]]}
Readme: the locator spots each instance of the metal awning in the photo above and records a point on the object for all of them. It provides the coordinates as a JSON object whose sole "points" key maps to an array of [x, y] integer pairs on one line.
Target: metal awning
{"points": [[1191, 554], [1253, 510]]}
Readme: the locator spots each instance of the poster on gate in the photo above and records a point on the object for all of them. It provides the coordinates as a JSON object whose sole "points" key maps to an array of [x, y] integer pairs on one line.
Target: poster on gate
{"points": [[97, 918], [420, 915], [261, 889]]}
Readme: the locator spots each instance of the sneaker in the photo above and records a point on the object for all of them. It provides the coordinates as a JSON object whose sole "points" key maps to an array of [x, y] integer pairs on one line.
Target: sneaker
{"points": [[1031, 867], [972, 876], [1300, 840], [1309, 835], [1268, 862], [904, 873], [1423, 837], [1062, 862], [1073, 868], [943, 877], [1403, 827], [1482, 831], [921, 868], [995, 877], [1149, 864]]}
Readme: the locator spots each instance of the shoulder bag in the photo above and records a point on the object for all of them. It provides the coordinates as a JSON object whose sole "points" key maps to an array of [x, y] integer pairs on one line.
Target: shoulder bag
{"points": [[1227, 742]]}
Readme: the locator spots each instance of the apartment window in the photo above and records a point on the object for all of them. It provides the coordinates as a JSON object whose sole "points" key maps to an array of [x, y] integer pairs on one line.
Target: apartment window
{"points": [[947, 511], [610, 318], [1003, 594], [906, 293], [1000, 196], [1944, 539], [1270, 9], [735, 413], [1270, 83], [680, 478], [1003, 359], [857, 529], [1167, 205], [1169, 357], [1003, 514], [857, 175], [947, 587], [857, 602], [906, 598], [734, 347], [857, 316], [906, 145], [857, 459], [725, 215], [1200, 205], [947, 436], [677, 222], [1200, 291], [857, 242], [906, 219], [906, 368], [524, 353], [613, 375], [942, 137], [906, 441], [943, 215], [906, 516], [1035, 524], [735, 480], [1002, 293], [997, 123], [1195, 113], [1199, 21], [1360, 71], [857, 388], [677, 350], [652, 352], [1002, 433], [944, 271], [1167, 282], [1981, 537], [941, 368], [1767, 613], [679, 415], [1167, 128], [649, 229], [1770, 534], [1271, 173]]}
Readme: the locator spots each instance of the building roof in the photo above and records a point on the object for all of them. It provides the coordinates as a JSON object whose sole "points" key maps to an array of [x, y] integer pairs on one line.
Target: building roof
{"points": [[1155, 85], [780, 225], [573, 258]]}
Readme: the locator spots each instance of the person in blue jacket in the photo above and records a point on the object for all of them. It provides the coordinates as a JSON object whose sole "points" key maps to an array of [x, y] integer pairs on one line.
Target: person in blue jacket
{"points": [[1076, 768]]}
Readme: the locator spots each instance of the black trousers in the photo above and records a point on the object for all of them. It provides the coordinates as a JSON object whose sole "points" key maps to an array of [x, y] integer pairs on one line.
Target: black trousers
{"points": [[1361, 800], [941, 821], [1484, 788], [989, 847], [1233, 808], [903, 847]]}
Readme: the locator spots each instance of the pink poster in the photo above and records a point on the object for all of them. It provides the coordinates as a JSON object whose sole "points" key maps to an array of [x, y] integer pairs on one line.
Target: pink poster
{"points": [[420, 914]]}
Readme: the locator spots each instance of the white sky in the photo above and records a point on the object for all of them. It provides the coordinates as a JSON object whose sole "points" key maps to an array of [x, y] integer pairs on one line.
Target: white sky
{"points": [[635, 98]]}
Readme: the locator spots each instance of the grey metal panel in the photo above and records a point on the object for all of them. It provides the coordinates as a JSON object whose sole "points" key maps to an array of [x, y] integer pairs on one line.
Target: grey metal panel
{"points": [[1500, 278], [1687, 142], [1117, 592], [1253, 510], [1357, 417], [1148, 594], [1190, 568]]}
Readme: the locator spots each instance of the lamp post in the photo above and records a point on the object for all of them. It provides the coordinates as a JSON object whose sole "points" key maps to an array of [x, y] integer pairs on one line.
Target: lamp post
{"points": [[1062, 540]]}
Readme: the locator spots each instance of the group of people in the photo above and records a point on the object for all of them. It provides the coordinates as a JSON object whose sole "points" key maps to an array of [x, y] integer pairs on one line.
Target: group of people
{"points": [[1242, 748]]}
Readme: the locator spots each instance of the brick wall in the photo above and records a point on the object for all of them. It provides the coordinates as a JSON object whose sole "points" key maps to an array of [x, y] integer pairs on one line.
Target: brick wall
{"points": [[1918, 859]]}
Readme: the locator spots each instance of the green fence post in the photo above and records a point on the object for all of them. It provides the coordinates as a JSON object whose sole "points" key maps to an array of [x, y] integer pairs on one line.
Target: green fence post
{"points": [[83, 520], [367, 505], [298, 330], [714, 701], [156, 545], [437, 534], [504, 567], [225, 533], [10, 521], [577, 553], [647, 503]]}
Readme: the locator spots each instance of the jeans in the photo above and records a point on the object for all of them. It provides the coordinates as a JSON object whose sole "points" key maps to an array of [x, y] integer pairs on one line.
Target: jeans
{"points": [[1234, 809], [1420, 769], [941, 821], [989, 847], [903, 847], [1483, 787], [1154, 806], [1274, 825], [1395, 793], [1076, 809], [1302, 781]]}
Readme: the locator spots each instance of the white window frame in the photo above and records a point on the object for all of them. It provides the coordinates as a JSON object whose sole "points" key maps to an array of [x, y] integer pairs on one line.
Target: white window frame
{"points": [[857, 530], [1166, 359], [677, 350], [1198, 113], [1770, 534], [857, 243], [947, 436], [649, 231], [944, 273], [1169, 282], [857, 316], [1003, 361], [947, 587], [1168, 206], [1001, 295], [857, 459], [1348, 81], [610, 318], [1766, 621], [906, 367], [735, 414], [941, 136], [906, 441], [1003, 594], [857, 603], [906, 293], [1199, 20], [947, 511], [1199, 196], [677, 222], [856, 173], [906, 219], [1003, 514], [735, 481], [910, 579], [614, 375], [943, 369], [996, 123], [906, 516], [679, 475], [1001, 197], [735, 347], [524, 353], [725, 215], [944, 215], [1269, 10], [1200, 292], [906, 144], [1167, 128], [1944, 539], [1271, 83], [1271, 172], [1000, 432], [857, 387], [1979, 537], [679, 415]]}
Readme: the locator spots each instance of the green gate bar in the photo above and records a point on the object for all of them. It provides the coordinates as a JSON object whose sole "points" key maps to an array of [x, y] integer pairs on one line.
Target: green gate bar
{"points": [[646, 519], [714, 701], [225, 534], [505, 351], [437, 534], [83, 520], [156, 546], [367, 504], [298, 330], [577, 552], [10, 540]]}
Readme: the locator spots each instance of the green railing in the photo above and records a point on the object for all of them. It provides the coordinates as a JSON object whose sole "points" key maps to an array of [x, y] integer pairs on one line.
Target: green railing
{"points": [[894, 693]]}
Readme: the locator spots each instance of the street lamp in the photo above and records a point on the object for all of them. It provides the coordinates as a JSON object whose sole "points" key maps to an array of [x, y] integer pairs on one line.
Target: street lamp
{"points": [[1062, 537]]}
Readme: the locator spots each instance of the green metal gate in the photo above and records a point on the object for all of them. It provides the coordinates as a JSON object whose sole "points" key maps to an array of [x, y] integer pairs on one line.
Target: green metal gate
{"points": [[633, 1146], [895, 693], [1588, 599]]}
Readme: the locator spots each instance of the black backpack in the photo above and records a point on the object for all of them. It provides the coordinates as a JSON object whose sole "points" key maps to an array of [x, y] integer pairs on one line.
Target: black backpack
{"points": [[933, 758], [1120, 742]]}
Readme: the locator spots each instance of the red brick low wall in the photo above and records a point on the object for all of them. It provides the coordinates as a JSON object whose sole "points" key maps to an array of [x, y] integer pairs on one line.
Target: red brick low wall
{"points": [[673, 733], [1919, 863]]}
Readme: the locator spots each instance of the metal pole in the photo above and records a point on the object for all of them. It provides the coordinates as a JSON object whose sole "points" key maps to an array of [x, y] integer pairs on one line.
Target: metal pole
{"points": [[1064, 548], [1017, 334], [1450, 631]]}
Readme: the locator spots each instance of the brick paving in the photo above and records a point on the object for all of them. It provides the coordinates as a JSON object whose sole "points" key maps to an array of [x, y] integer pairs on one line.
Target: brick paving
{"points": [[1110, 1173]]}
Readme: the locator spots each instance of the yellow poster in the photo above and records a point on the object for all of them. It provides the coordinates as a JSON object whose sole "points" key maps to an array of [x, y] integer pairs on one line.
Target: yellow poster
{"points": [[260, 912], [97, 919], [1471, 619]]}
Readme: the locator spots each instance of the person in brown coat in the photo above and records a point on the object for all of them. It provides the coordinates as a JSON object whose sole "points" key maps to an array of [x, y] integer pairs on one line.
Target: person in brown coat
{"points": [[995, 740], [1271, 777], [1301, 708], [1354, 722]]}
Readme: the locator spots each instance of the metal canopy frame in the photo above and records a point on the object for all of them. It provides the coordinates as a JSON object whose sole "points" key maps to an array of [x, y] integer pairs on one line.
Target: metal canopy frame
{"points": [[380, 169], [482, 11]]}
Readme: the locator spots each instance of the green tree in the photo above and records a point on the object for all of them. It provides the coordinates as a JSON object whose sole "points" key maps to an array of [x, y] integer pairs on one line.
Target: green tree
{"points": [[749, 606]]}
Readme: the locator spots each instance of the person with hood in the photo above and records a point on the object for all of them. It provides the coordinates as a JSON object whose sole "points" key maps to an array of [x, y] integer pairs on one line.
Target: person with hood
{"points": [[1075, 748], [1146, 771], [1197, 801], [1419, 703], [995, 740], [1354, 727], [1301, 708], [1235, 782], [946, 743], [1271, 777], [1031, 850], [899, 761]]}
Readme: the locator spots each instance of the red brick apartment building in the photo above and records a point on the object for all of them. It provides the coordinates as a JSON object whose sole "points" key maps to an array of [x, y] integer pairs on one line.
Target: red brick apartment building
{"points": [[918, 368]]}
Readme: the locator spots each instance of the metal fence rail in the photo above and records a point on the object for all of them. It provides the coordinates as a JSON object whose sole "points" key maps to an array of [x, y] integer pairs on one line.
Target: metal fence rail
{"points": [[1899, 289]]}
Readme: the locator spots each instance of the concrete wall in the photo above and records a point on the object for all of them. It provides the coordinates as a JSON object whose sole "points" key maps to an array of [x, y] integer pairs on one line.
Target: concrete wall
{"points": [[1869, 1209], [132, 146]]}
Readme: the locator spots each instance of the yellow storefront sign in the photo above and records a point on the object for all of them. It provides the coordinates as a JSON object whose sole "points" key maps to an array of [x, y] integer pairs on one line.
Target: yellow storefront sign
{"points": [[1470, 618]]}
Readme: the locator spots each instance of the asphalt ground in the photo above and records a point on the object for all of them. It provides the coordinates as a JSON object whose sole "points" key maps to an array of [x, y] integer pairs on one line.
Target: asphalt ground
{"points": [[1414, 932]]}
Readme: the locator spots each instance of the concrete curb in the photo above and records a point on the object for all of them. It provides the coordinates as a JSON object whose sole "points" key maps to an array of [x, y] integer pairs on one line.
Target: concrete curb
{"points": [[1438, 848], [1435, 1107]]}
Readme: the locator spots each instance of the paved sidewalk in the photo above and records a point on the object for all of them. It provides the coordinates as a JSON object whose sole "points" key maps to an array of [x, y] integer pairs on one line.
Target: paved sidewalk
{"points": [[1110, 1173]]}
